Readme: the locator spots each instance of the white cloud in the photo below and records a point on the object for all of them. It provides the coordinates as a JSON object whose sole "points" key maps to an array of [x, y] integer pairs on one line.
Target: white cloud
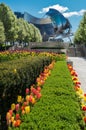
{"points": [[75, 13], [63, 10], [57, 7]]}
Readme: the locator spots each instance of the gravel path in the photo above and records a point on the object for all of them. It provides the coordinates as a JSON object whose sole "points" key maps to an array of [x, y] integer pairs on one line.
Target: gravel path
{"points": [[79, 64]]}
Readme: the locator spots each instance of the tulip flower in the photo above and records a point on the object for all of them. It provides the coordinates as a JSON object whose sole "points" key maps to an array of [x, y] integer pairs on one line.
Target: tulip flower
{"points": [[19, 99], [85, 119], [84, 98], [14, 123], [27, 109], [17, 107], [84, 108], [17, 116], [23, 111], [39, 95], [39, 89], [12, 119], [77, 87], [13, 106], [33, 100], [27, 90], [27, 98], [8, 116]]}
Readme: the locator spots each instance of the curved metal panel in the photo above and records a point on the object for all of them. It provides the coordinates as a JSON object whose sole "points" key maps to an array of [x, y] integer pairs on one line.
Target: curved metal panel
{"points": [[35, 20], [58, 19]]}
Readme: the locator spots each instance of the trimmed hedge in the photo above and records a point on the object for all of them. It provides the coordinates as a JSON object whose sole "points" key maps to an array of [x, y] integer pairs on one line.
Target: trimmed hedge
{"points": [[59, 108], [40, 47], [18, 74]]}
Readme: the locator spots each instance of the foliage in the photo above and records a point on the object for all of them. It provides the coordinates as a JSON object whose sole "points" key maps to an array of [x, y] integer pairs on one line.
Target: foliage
{"points": [[9, 21], [80, 35], [27, 32], [16, 75], [2, 33], [58, 108]]}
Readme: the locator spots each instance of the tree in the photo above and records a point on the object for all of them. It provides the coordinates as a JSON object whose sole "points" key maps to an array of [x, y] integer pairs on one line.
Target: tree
{"points": [[21, 30], [80, 35], [28, 32], [9, 21]]}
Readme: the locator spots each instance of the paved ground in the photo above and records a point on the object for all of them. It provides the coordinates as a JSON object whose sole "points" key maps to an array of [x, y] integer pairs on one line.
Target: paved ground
{"points": [[79, 64]]}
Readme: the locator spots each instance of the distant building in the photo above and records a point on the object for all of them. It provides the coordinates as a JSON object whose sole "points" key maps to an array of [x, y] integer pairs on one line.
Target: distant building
{"points": [[52, 26]]}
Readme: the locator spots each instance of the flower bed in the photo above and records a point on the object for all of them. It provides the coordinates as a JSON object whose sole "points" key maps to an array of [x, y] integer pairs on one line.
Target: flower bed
{"points": [[81, 95], [58, 108], [20, 110], [13, 55]]}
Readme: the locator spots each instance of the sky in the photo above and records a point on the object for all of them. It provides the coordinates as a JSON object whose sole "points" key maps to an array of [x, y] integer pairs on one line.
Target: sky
{"points": [[71, 9]]}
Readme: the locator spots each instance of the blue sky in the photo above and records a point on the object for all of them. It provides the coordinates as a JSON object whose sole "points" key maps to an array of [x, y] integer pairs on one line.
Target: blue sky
{"points": [[72, 9]]}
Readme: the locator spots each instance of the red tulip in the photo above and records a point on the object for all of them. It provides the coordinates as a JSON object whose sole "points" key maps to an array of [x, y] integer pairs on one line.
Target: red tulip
{"points": [[27, 90], [17, 116], [39, 89], [17, 107], [85, 119], [84, 108], [11, 112], [31, 98], [85, 94], [39, 95], [77, 87]]}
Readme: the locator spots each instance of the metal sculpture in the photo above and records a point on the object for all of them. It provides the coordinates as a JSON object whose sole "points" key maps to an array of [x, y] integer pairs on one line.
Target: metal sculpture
{"points": [[54, 25], [60, 23]]}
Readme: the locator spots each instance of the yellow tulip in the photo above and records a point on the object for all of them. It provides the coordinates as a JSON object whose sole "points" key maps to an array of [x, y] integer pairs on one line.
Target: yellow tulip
{"points": [[8, 116], [27, 98], [12, 118], [19, 99], [27, 109], [13, 106], [80, 91], [84, 98], [33, 100], [14, 122]]}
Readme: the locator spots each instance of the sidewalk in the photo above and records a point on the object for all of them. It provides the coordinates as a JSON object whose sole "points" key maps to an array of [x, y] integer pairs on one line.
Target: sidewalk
{"points": [[79, 64]]}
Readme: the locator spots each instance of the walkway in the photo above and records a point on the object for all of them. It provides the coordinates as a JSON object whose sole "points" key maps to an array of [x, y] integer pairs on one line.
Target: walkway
{"points": [[79, 64]]}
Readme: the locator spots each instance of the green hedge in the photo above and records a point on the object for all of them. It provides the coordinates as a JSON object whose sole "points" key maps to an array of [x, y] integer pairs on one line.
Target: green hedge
{"points": [[16, 75], [58, 109], [43, 47]]}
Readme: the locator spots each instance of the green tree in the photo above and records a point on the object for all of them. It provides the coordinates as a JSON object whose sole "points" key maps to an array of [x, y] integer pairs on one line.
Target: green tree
{"points": [[35, 34], [28, 32], [80, 35], [9, 21], [21, 30]]}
